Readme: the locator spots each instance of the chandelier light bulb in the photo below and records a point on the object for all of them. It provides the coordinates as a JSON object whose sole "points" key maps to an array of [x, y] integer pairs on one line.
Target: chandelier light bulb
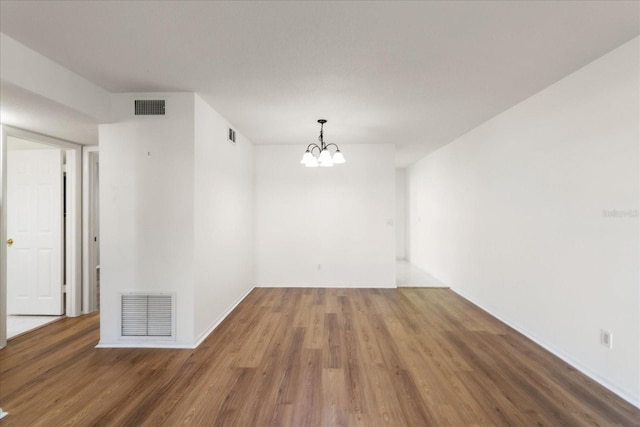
{"points": [[307, 158], [325, 156], [313, 163], [338, 158]]}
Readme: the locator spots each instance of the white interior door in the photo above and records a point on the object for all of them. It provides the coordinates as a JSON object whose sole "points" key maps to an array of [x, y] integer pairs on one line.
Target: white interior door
{"points": [[34, 232]]}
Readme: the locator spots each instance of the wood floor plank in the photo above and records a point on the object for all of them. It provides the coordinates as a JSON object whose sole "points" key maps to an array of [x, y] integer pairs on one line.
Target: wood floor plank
{"points": [[307, 406], [334, 396], [308, 357]]}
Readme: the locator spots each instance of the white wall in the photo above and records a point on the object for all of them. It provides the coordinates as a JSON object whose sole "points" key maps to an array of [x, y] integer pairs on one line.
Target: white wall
{"points": [[329, 227], [223, 217], [147, 210], [511, 216], [400, 212], [176, 214]]}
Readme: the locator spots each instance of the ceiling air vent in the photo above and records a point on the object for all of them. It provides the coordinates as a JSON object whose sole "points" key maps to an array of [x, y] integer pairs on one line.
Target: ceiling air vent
{"points": [[232, 135], [149, 107]]}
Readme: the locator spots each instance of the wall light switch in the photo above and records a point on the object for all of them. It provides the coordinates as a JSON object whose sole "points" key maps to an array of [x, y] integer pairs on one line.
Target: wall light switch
{"points": [[606, 338]]}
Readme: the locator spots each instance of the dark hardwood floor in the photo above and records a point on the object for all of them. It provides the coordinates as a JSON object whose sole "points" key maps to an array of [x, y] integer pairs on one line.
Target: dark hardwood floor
{"points": [[308, 357]]}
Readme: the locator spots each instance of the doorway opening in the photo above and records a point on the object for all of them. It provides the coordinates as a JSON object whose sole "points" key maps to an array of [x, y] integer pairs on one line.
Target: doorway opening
{"points": [[40, 201]]}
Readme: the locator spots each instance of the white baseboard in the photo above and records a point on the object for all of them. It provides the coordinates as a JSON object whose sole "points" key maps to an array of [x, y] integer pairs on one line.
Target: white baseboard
{"points": [[147, 344], [274, 285], [634, 400]]}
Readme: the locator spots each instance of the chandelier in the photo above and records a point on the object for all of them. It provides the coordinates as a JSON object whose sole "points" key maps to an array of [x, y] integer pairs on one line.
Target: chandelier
{"points": [[324, 157]]}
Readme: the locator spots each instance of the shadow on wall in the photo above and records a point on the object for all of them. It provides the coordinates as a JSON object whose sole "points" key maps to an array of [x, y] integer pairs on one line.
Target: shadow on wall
{"points": [[410, 276]]}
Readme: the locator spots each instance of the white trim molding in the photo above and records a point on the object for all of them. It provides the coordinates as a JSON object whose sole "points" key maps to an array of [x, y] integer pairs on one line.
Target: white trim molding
{"points": [[89, 225]]}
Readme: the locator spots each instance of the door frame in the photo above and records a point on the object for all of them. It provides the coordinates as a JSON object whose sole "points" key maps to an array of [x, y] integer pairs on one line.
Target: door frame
{"points": [[73, 236], [89, 192]]}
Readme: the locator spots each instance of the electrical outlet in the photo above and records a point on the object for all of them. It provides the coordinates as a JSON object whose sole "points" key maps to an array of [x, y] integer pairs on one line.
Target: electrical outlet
{"points": [[606, 338]]}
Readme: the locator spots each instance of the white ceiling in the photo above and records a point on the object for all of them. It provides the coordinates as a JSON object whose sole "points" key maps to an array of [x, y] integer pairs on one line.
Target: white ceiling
{"points": [[416, 74]]}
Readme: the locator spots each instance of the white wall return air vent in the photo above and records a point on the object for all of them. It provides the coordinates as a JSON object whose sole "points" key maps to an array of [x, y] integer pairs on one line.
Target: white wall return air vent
{"points": [[232, 135], [148, 316], [149, 107]]}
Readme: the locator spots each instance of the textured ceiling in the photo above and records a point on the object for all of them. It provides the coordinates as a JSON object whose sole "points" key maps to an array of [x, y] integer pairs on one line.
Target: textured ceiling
{"points": [[415, 74]]}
